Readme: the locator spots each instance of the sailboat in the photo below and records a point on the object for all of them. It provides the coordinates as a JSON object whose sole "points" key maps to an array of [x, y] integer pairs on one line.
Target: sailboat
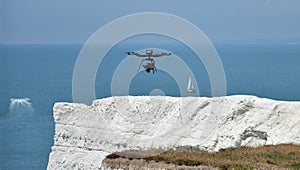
{"points": [[190, 87]]}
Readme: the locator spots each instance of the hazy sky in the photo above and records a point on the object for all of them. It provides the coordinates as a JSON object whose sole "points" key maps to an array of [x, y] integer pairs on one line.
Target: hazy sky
{"points": [[74, 21]]}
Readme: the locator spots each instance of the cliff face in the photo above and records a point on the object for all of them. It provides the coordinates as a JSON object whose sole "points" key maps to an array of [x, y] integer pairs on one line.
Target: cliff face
{"points": [[84, 135]]}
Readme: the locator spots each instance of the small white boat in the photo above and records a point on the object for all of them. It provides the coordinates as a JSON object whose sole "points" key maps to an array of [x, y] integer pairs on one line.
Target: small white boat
{"points": [[190, 87]]}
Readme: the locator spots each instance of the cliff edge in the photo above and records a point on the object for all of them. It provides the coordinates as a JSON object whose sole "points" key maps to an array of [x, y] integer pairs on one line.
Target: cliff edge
{"points": [[84, 135]]}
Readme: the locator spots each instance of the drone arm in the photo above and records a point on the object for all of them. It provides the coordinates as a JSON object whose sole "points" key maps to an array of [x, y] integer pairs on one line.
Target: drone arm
{"points": [[136, 54], [161, 54]]}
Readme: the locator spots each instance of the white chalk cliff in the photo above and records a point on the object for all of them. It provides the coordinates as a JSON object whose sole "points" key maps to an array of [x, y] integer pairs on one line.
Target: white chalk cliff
{"points": [[84, 135]]}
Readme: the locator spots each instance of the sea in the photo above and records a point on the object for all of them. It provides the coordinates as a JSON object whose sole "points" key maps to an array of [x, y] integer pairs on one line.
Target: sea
{"points": [[35, 76]]}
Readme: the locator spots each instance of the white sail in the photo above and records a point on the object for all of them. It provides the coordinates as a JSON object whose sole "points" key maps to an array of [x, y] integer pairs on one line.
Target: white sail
{"points": [[190, 87]]}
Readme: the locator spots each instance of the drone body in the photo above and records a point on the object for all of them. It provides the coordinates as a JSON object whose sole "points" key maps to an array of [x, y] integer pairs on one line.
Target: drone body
{"points": [[149, 59]]}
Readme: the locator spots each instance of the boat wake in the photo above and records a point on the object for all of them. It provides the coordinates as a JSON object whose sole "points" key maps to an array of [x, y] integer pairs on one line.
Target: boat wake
{"points": [[20, 105]]}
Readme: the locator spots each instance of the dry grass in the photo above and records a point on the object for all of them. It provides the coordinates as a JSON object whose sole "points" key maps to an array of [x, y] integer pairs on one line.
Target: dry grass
{"points": [[285, 156]]}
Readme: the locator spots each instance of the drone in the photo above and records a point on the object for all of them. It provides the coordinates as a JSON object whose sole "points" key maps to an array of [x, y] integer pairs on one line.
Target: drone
{"points": [[150, 62]]}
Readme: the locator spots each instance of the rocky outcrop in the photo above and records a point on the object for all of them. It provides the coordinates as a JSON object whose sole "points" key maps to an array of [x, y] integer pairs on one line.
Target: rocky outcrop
{"points": [[84, 135]]}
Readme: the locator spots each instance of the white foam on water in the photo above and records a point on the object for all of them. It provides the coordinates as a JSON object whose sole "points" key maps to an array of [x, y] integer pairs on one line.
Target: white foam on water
{"points": [[20, 105]]}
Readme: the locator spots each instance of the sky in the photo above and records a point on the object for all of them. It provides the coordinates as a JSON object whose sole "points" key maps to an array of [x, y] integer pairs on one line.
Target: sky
{"points": [[74, 21]]}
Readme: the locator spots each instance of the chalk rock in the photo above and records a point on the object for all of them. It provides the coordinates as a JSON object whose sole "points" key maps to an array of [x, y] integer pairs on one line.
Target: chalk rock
{"points": [[84, 135]]}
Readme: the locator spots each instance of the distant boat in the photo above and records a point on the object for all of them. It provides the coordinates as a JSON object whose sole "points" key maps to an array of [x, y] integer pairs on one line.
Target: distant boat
{"points": [[190, 87]]}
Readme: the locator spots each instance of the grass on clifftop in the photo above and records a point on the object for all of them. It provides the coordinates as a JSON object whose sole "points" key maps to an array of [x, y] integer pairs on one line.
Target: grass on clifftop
{"points": [[265, 157]]}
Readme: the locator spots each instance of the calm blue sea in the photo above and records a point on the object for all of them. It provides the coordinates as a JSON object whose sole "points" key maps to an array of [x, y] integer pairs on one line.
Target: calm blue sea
{"points": [[43, 75]]}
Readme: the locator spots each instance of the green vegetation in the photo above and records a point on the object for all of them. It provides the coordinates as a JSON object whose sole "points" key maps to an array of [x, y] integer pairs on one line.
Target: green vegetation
{"points": [[266, 157]]}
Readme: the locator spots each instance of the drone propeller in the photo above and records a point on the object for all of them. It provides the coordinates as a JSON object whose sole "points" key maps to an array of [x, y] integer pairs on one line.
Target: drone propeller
{"points": [[129, 53]]}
